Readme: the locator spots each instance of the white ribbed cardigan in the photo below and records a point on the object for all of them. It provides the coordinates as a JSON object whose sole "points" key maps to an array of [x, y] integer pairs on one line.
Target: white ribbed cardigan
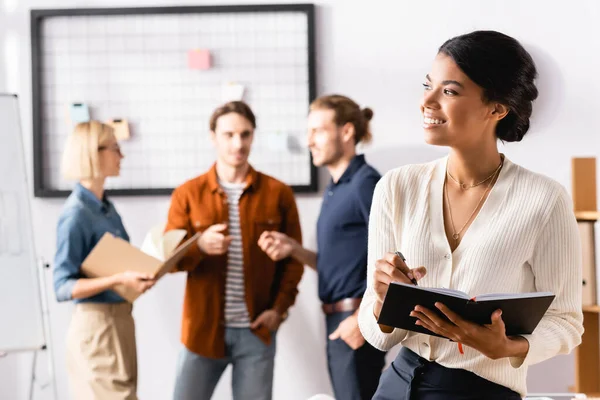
{"points": [[524, 239]]}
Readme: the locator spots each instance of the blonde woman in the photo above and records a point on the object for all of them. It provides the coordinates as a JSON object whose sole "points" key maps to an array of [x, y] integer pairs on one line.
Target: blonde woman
{"points": [[101, 350]]}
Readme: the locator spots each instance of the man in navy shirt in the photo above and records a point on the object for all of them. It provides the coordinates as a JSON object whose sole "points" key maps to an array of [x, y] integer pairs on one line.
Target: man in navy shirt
{"points": [[336, 124]]}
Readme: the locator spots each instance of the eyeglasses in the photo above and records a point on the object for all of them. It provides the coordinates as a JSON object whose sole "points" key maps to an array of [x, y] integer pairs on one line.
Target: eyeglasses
{"points": [[115, 147]]}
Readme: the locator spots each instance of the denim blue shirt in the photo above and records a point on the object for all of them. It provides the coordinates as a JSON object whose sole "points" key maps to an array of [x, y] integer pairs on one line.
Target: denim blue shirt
{"points": [[342, 230], [83, 221]]}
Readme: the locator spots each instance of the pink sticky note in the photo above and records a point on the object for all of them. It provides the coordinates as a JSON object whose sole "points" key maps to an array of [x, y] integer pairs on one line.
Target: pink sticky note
{"points": [[199, 59]]}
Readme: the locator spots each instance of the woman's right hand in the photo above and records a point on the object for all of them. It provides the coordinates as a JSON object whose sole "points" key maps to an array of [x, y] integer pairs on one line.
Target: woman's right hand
{"points": [[138, 281], [392, 268]]}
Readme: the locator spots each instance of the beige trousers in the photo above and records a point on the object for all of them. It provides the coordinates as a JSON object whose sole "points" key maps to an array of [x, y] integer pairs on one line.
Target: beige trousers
{"points": [[101, 352]]}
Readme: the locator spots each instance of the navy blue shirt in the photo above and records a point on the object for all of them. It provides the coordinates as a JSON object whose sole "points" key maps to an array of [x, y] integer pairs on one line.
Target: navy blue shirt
{"points": [[342, 231], [81, 225]]}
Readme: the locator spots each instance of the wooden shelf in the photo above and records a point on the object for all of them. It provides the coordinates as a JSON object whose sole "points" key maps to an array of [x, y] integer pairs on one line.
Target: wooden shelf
{"points": [[590, 395], [592, 309], [585, 204], [587, 215], [587, 354]]}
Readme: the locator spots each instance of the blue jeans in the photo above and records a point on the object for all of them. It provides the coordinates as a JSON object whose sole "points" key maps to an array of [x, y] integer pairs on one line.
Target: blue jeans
{"points": [[252, 375]]}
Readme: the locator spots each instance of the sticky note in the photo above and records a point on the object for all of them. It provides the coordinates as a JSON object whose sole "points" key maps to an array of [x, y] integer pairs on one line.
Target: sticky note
{"points": [[121, 127], [79, 112], [199, 59], [232, 91]]}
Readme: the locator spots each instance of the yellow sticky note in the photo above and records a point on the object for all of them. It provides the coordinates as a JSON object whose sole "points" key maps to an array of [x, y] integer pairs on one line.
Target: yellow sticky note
{"points": [[121, 127]]}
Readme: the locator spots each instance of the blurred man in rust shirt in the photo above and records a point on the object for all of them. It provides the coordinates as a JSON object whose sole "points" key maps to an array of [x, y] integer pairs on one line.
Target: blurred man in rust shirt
{"points": [[236, 296]]}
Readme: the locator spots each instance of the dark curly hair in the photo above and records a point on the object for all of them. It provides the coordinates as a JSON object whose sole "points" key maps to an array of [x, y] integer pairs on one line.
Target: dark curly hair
{"points": [[506, 72]]}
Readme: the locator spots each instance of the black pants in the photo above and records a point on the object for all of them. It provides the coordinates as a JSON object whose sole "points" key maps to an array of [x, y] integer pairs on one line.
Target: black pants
{"points": [[411, 377], [354, 373]]}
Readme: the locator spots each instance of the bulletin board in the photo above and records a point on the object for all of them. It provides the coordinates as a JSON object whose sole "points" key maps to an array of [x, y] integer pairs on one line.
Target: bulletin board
{"points": [[162, 71]]}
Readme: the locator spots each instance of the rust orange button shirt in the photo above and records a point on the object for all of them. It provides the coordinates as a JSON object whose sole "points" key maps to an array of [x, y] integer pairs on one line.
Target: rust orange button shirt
{"points": [[266, 204]]}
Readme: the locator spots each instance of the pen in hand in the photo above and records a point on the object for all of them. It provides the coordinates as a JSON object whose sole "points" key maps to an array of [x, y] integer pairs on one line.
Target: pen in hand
{"points": [[399, 254]]}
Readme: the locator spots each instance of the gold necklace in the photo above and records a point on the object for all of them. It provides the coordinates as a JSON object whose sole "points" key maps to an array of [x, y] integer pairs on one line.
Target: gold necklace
{"points": [[455, 234], [464, 186]]}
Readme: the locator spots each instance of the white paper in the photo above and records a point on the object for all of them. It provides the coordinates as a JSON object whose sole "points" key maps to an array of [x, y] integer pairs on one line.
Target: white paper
{"points": [[160, 245], [232, 91]]}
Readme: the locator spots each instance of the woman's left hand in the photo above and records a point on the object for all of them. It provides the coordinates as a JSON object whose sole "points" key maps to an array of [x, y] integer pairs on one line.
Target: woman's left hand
{"points": [[490, 340]]}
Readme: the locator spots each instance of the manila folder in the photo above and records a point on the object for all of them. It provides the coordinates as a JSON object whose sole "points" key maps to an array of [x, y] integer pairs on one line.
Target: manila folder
{"points": [[113, 255]]}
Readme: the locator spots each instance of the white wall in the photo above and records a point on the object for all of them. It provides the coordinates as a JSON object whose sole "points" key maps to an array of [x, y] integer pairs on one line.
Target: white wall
{"points": [[3, 25], [378, 53]]}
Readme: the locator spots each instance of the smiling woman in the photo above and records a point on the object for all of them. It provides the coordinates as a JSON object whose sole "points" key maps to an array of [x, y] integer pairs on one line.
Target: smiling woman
{"points": [[470, 88], [475, 222]]}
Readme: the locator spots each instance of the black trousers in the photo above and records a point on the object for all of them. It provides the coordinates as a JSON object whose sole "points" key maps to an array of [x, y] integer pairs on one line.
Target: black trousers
{"points": [[354, 373], [411, 377]]}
